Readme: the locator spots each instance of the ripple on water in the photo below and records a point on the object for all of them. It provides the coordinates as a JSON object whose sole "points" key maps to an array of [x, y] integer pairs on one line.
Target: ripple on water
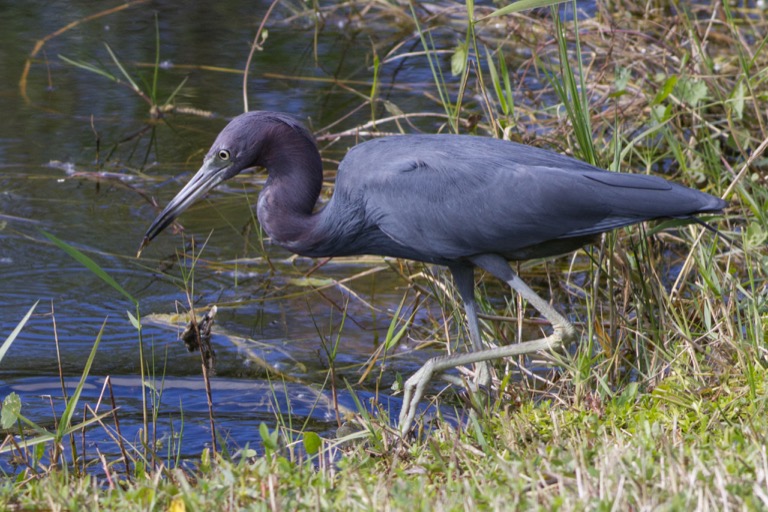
{"points": [[240, 407]]}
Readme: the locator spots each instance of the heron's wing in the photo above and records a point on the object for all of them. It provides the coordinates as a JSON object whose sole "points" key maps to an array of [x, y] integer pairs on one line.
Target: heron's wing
{"points": [[458, 196]]}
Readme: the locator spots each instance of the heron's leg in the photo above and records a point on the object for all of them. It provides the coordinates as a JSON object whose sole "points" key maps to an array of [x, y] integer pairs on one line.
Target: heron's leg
{"points": [[499, 267], [463, 277], [562, 331]]}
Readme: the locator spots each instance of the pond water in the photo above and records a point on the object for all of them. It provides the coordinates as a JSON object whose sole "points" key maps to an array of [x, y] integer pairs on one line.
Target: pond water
{"points": [[80, 157]]}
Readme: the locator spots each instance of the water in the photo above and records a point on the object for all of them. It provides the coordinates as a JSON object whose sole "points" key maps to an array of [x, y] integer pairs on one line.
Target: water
{"points": [[73, 165]]}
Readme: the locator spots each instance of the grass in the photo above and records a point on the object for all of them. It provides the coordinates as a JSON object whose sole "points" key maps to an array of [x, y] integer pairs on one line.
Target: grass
{"points": [[662, 404]]}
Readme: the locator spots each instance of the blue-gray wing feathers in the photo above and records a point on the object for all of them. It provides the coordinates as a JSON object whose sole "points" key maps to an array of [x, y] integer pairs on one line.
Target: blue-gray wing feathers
{"points": [[458, 196]]}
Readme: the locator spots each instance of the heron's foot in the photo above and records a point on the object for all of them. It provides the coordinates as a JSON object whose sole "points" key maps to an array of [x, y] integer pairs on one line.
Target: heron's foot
{"points": [[563, 333], [414, 387], [483, 374], [413, 390]]}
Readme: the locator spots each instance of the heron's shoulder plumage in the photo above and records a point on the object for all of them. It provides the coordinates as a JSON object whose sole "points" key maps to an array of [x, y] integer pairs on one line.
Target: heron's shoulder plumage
{"points": [[452, 153]]}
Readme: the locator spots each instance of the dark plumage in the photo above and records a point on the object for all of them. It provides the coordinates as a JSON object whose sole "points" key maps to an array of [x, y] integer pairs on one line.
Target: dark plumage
{"points": [[455, 200]]}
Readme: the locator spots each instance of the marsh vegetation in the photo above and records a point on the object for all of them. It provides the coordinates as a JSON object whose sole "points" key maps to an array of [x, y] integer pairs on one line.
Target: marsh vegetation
{"points": [[661, 403]]}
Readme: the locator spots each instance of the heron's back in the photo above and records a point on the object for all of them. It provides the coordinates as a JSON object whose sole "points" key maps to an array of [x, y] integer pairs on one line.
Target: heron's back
{"points": [[442, 198]]}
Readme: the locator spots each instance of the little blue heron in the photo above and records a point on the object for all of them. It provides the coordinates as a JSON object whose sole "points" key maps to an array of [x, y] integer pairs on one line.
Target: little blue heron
{"points": [[455, 200]]}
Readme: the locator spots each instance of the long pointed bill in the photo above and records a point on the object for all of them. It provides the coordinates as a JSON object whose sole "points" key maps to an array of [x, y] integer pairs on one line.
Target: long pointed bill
{"points": [[204, 180]]}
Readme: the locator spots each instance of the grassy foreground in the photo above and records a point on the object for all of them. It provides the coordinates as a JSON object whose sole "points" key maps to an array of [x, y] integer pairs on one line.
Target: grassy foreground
{"points": [[681, 446], [663, 404]]}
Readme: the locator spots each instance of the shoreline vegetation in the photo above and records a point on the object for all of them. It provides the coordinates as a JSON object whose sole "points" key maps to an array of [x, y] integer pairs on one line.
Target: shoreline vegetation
{"points": [[662, 405]]}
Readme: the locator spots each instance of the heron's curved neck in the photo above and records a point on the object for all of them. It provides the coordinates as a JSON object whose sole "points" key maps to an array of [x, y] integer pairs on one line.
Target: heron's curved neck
{"points": [[295, 177]]}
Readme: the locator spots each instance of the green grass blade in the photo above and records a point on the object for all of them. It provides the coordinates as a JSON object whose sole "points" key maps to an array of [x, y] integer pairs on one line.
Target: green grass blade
{"points": [[64, 426], [89, 264], [375, 85], [523, 5], [46, 437], [393, 337], [119, 65], [496, 82], [510, 99], [89, 67], [571, 95], [176, 91], [11, 337], [156, 68]]}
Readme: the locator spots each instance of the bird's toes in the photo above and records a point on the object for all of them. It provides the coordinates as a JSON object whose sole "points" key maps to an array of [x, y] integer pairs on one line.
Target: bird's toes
{"points": [[483, 376], [413, 390], [567, 332]]}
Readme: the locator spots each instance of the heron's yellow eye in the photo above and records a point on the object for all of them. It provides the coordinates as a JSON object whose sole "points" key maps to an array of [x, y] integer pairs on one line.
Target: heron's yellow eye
{"points": [[223, 154]]}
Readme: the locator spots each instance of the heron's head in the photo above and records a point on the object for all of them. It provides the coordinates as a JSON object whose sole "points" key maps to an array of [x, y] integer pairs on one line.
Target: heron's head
{"points": [[242, 144]]}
